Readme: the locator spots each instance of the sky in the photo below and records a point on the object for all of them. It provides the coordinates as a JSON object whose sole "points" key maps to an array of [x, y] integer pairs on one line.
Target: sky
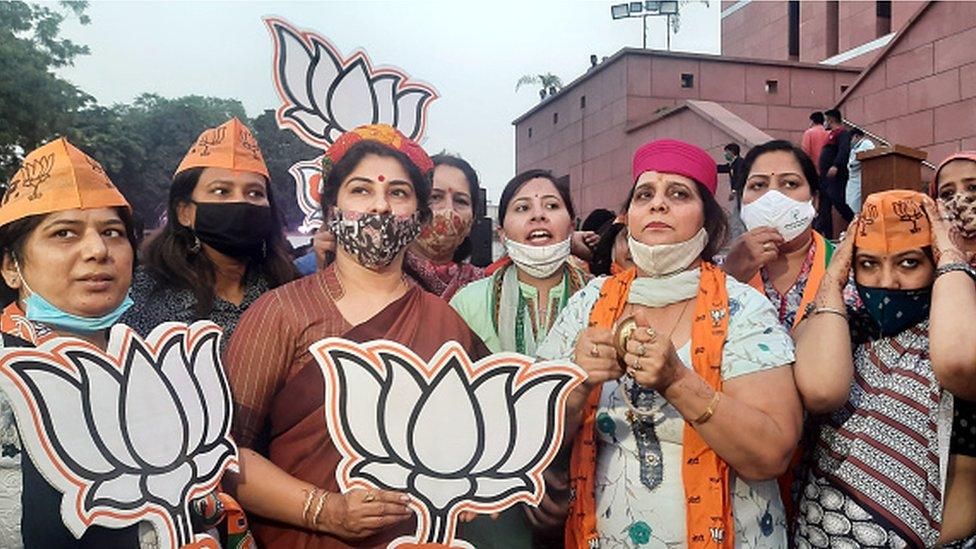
{"points": [[473, 53]]}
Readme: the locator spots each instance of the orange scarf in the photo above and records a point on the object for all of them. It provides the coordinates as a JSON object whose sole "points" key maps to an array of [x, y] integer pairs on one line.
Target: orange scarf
{"points": [[708, 496], [821, 257]]}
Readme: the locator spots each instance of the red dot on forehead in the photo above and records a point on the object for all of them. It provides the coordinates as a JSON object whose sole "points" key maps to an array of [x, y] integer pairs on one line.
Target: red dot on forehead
{"points": [[382, 178]]}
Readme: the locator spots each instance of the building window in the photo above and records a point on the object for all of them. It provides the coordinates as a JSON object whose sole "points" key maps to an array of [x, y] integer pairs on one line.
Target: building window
{"points": [[555, 118], [883, 11], [833, 26], [582, 101], [843, 89], [687, 80], [772, 86], [793, 16], [530, 133]]}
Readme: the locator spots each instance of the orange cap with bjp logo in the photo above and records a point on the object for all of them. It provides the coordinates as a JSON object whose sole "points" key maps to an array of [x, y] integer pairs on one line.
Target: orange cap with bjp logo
{"points": [[892, 222], [57, 177], [231, 146]]}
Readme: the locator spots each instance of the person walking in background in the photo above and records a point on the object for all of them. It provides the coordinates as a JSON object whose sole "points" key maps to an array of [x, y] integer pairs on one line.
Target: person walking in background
{"points": [[733, 167], [814, 138], [859, 142], [833, 173]]}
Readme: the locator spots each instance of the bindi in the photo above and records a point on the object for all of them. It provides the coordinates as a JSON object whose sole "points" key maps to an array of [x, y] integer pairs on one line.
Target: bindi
{"points": [[382, 178]]}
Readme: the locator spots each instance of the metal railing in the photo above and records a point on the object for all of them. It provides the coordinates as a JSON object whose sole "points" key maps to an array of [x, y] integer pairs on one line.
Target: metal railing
{"points": [[881, 141]]}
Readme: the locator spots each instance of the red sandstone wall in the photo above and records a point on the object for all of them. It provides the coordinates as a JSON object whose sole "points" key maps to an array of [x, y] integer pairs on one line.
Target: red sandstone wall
{"points": [[923, 94], [758, 30]]}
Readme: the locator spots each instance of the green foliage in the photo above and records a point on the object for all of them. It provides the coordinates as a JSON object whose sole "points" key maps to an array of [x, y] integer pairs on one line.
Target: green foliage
{"points": [[34, 103], [544, 81], [281, 149]]}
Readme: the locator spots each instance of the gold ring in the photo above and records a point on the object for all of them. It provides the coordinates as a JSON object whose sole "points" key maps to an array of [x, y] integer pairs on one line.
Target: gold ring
{"points": [[767, 246], [637, 367], [369, 497], [641, 349], [652, 335], [595, 351]]}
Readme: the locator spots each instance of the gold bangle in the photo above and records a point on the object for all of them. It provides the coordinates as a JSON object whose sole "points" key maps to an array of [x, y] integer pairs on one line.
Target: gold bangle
{"points": [[318, 509], [710, 411], [309, 496]]}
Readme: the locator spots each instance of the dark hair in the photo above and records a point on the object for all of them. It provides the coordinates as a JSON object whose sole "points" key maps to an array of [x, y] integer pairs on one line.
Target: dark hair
{"points": [[463, 250], [13, 237], [513, 186], [169, 259], [733, 148], [855, 132], [817, 117], [806, 165], [716, 222], [349, 161], [603, 252], [597, 220], [834, 114]]}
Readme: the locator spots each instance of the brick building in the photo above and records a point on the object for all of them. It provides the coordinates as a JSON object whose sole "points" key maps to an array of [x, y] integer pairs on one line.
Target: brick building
{"points": [[905, 71]]}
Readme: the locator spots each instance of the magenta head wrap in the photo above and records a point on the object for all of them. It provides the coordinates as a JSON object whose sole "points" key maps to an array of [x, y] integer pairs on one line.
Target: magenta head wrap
{"points": [[671, 156]]}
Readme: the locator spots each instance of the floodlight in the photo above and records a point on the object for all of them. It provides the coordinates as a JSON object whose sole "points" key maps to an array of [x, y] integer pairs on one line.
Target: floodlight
{"points": [[669, 7], [636, 7], [619, 11]]}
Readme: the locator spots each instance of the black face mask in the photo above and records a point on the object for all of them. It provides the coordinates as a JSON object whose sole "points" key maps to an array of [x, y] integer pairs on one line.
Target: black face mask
{"points": [[236, 229]]}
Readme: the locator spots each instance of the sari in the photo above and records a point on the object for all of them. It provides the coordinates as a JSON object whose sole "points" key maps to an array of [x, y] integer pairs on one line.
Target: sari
{"points": [[279, 389]]}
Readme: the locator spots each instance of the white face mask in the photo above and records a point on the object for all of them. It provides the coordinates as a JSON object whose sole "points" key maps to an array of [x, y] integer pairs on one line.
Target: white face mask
{"points": [[775, 209], [667, 259], [538, 261]]}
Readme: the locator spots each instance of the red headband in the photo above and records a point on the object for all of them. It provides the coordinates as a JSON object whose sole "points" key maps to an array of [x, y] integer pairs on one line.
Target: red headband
{"points": [[671, 156]]}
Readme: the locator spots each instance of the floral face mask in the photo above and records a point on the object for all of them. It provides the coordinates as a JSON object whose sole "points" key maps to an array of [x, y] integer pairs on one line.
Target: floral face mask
{"points": [[374, 239], [963, 207], [443, 233]]}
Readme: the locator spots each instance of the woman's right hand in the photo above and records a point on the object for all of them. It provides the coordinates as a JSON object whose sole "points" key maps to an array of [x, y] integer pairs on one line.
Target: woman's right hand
{"points": [[839, 269], [751, 252], [596, 354], [358, 514]]}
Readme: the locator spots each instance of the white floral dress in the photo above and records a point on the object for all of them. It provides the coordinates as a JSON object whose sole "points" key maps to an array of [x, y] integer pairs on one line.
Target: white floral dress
{"points": [[639, 507]]}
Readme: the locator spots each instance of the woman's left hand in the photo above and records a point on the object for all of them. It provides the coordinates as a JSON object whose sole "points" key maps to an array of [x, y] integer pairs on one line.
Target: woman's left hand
{"points": [[944, 233], [651, 359]]}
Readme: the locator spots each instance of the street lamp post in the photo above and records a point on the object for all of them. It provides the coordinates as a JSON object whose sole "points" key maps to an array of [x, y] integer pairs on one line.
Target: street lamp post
{"points": [[649, 8]]}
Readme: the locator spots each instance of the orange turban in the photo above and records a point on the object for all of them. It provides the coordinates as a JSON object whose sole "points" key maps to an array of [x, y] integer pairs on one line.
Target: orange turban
{"points": [[230, 146], [57, 177], [892, 222]]}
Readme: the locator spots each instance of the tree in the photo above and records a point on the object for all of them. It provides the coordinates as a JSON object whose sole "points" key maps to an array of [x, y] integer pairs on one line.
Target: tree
{"points": [[282, 149], [35, 105], [548, 83]]}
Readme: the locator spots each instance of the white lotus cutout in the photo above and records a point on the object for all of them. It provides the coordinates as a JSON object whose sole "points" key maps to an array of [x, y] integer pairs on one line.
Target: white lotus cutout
{"points": [[453, 435], [325, 95], [128, 434], [308, 190]]}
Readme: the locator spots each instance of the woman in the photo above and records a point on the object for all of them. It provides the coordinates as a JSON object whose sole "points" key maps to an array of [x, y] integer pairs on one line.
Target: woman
{"points": [[680, 450], [222, 245], [437, 259], [955, 184], [882, 386], [611, 255], [375, 198], [780, 255], [513, 309]]}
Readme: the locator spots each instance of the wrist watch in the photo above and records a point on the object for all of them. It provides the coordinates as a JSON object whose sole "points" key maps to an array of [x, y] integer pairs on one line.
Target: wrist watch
{"points": [[956, 266]]}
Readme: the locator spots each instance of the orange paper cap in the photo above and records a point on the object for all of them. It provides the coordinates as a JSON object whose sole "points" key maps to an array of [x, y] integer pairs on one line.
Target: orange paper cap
{"points": [[892, 222], [230, 145], [57, 177]]}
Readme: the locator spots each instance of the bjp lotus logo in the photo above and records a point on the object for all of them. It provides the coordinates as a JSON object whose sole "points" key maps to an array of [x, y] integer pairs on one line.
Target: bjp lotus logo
{"points": [[453, 435], [129, 434]]}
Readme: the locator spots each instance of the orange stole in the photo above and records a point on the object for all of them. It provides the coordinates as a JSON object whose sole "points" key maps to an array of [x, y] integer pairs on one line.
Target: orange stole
{"points": [[821, 257], [708, 497]]}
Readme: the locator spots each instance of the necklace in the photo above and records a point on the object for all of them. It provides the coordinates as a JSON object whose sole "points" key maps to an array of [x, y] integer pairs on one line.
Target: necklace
{"points": [[635, 413]]}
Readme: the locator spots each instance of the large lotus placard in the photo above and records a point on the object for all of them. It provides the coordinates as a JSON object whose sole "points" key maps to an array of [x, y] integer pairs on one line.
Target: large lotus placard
{"points": [[453, 435], [129, 434]]}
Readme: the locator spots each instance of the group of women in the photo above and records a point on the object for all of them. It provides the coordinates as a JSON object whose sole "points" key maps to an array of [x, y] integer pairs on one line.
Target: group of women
{"points": [[780, 391]]}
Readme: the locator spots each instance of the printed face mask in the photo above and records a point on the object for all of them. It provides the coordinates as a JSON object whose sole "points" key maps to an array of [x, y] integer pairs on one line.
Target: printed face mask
{"points": [[963, 208], [236, 229], [538, 261], [666, 259], [374, 239], [443, 233], [775, 209], [894, 311]]}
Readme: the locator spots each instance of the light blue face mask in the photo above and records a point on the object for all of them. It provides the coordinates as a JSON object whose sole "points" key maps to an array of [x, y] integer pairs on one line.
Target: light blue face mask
{"points": [[43, 311]]}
